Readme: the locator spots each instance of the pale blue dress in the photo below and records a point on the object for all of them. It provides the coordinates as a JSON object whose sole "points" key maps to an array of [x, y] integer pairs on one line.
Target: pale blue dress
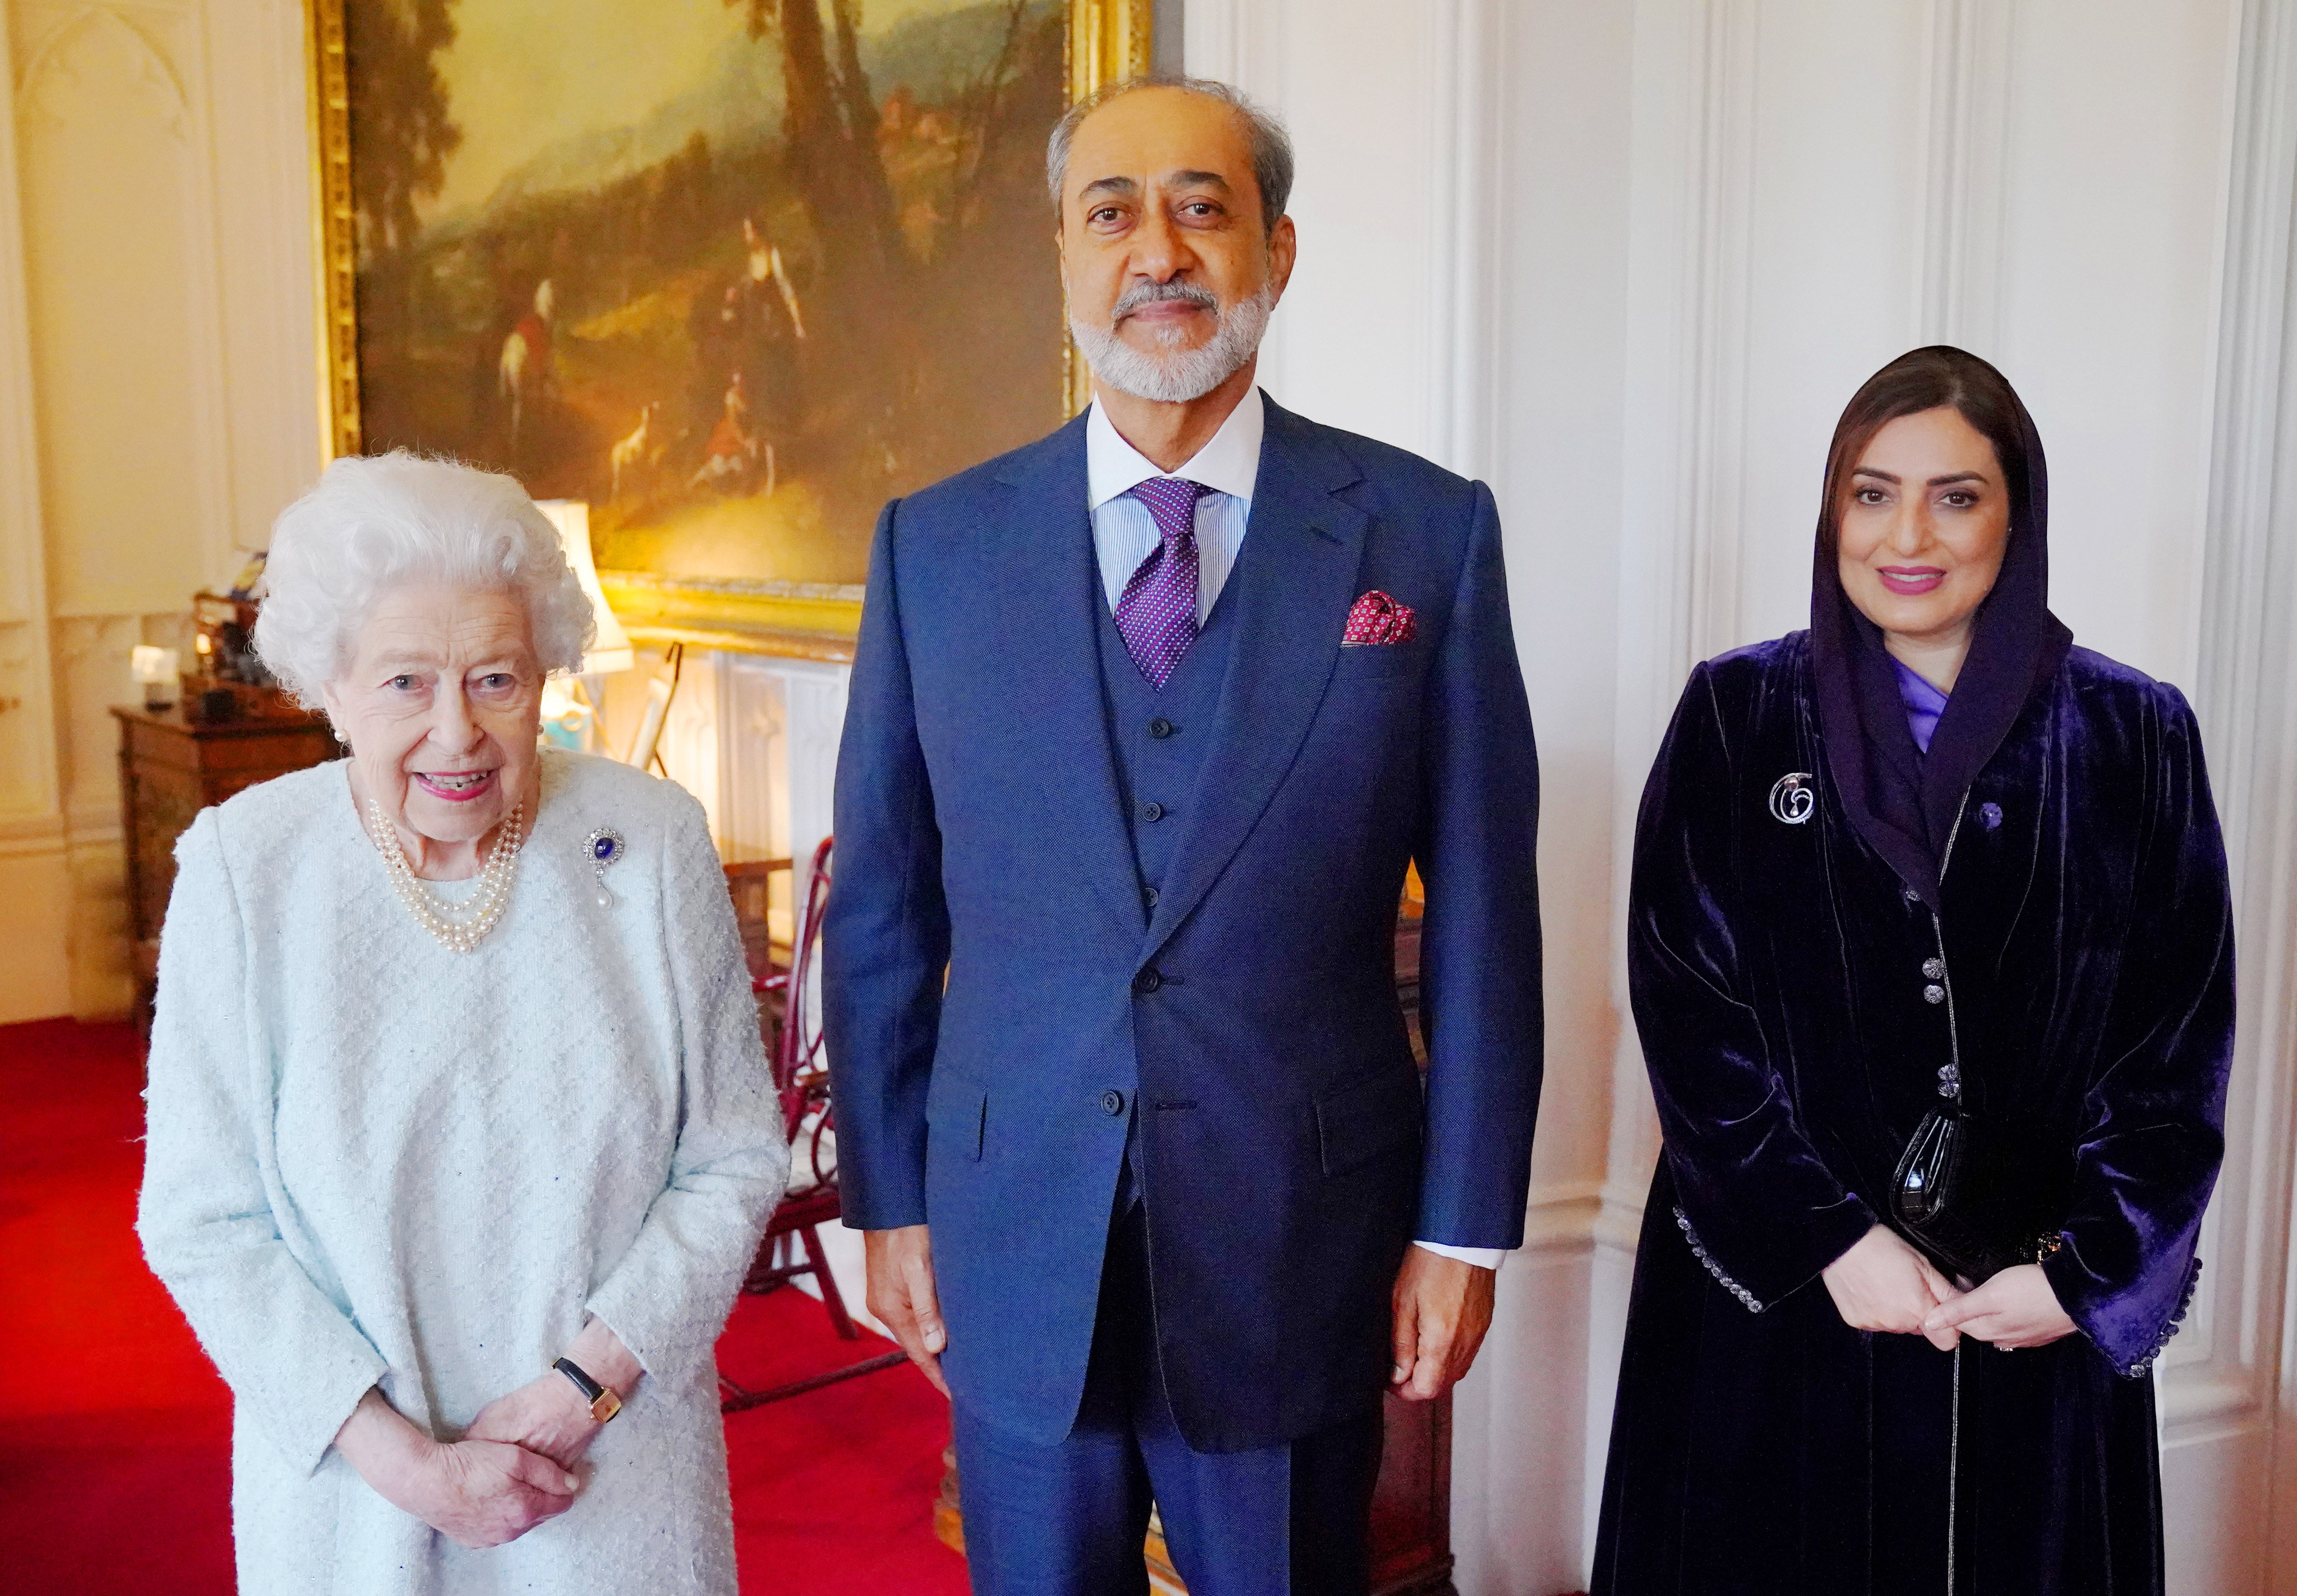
{"points": [[373, 1161]]}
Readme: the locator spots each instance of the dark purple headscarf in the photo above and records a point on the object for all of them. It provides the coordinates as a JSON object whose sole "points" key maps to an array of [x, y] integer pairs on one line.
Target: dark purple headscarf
{"points": [[1902, 801]]}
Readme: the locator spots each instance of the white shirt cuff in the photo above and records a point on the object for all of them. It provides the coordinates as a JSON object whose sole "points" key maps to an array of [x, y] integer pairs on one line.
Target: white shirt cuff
{"points": [[1482, 1257]]}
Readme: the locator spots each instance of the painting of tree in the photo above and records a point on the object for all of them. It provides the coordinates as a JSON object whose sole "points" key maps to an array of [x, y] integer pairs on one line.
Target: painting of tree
{"points": [[734, 271]]}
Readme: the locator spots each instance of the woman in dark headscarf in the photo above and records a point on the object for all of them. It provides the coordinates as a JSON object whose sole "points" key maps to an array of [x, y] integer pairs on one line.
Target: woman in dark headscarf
{"points": [[1931, 958]]}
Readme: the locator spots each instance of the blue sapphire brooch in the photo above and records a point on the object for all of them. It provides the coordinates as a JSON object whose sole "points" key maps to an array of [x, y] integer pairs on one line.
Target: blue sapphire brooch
{"points": [[602, 848]]}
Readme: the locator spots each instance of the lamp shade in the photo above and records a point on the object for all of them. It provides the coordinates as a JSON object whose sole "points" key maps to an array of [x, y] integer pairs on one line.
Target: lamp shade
{"points": [[611, 649]]}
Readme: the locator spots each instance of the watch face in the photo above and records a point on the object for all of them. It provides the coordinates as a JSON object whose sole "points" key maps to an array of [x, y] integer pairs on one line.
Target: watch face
{"points": [[606, 1406]]}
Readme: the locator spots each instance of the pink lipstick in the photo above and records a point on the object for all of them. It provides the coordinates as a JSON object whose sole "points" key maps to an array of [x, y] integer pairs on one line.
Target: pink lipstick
{"points": [[455, 787], [1910, 581]]}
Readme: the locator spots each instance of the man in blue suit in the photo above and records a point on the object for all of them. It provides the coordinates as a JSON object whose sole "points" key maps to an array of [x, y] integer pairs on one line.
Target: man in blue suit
{"points": [[1147, 722]]}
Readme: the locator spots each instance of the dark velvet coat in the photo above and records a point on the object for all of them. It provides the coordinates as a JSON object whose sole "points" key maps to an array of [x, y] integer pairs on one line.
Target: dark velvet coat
{"points": [[1777, 971]]}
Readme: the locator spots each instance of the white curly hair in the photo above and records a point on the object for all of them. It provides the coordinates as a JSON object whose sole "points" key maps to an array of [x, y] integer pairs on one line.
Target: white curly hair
{"points": [[378, 522]]}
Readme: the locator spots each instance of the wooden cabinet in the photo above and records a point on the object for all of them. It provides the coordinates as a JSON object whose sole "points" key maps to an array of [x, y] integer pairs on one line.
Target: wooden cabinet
{"points": [[171, 767], [1411, 1505]]}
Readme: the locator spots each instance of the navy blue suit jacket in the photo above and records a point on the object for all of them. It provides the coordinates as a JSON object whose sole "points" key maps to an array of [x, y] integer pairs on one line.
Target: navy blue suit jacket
{"points": [[993, 973]]}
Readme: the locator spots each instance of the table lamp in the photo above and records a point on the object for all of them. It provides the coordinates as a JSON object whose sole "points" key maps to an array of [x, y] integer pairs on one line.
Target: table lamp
{"points": [[569, 708], [154, 670], [610, 650]]}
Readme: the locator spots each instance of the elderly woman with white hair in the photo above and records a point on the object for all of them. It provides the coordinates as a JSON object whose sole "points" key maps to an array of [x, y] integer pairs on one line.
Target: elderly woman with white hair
{"points": [[461, 1134]]}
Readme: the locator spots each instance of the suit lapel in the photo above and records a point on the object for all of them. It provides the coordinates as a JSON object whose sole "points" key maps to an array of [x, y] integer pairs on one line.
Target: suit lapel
{"points": [[1295, 579], [1047, 565]]}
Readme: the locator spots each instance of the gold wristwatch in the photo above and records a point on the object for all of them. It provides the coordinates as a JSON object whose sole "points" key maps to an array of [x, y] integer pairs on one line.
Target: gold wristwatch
{"points": [[603, 1402]]}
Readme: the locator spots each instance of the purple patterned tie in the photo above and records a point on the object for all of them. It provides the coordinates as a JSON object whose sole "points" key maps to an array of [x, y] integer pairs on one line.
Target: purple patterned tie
{"points": [[1157, 613]]}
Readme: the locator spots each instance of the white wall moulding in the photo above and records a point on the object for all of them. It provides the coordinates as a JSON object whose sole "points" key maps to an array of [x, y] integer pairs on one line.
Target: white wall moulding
{"points": [[91, 655], [1720, 170], [91, 675], [754, 761], [1685, 345], [257, 109], [815, 697], [55, 32], [1965, 112], [27, 743], [754, 737], [35, 926], [27, 759], [96, 937], [1468, 316], [2230, 1443], [691, 740], [2110, 273], [122, 276]]}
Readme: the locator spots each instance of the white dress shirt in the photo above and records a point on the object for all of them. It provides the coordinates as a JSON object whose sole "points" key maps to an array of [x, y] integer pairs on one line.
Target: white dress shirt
{"points": [[1123, 533]]}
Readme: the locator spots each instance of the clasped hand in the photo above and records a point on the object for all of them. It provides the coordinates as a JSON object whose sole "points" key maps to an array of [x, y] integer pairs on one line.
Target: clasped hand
{"points": [[512, 1468], [1883, 1284], [476, 1493]]}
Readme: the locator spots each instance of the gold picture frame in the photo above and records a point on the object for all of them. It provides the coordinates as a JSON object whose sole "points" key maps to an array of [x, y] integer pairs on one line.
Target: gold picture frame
{"points": [[1105, 41]]}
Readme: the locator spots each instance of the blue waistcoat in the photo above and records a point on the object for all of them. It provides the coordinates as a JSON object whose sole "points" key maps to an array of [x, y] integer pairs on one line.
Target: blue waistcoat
{"points": [[1160, 738]]}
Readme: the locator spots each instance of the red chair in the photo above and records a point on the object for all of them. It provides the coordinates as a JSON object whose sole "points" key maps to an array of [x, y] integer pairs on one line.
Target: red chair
{"points": [[802, 1078]]}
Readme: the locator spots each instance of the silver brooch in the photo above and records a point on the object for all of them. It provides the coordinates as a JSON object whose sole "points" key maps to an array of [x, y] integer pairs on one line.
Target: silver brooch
{"points": [[1793, 798], [602, 848]]}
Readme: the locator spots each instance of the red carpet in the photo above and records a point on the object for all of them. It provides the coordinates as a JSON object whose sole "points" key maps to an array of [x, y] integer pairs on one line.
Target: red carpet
{"points": [[115, 1446]]}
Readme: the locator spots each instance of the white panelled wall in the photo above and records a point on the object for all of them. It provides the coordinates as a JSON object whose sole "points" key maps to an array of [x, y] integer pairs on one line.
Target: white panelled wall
{"points": [[1624, 259], [158, 405]]}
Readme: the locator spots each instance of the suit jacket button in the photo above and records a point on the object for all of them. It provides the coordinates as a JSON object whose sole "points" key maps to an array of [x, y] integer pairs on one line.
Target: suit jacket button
{"points": [[1112, 1102], [1152, 812], [1934, 969], [1933, 995], [1147, 980], [1160, 727], [1150, 894]]}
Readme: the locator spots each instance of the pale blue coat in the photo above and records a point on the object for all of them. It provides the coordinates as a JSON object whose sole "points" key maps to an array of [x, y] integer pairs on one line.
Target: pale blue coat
{"points": [[373, 1161]]}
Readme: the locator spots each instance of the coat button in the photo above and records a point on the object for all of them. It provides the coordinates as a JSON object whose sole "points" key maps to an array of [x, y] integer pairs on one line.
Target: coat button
{"points": [[1147, 980], [1112, 1102], [1934, 969], [1933, 995], [1148, 895], [1152, 812], [1161, 729]]}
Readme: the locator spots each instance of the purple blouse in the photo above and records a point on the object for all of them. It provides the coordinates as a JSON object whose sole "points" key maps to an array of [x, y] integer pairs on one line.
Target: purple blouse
{"points": [[1925, 703]]}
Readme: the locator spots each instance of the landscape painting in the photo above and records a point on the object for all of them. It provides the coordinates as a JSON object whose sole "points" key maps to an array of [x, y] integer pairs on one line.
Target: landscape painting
{"points": [[735, 272]]}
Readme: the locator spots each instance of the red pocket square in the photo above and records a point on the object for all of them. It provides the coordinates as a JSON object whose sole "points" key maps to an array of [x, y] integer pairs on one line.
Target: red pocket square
{"points": [[1376, 619]]}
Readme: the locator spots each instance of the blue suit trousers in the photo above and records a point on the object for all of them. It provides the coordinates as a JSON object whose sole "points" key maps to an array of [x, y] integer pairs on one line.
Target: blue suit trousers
{"points": [[1068, 1519]]}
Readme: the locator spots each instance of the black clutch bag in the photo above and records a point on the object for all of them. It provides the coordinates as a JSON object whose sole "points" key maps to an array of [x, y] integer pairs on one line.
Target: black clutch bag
{"points": [[1977, 1194]]}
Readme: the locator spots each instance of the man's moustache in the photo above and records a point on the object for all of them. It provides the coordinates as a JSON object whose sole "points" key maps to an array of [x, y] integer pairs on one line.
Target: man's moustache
{"points": [[1157, 293]]}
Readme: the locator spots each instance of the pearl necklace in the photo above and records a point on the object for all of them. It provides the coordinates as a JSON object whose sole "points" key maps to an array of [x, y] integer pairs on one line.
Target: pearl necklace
{"points": [[457, 933]]}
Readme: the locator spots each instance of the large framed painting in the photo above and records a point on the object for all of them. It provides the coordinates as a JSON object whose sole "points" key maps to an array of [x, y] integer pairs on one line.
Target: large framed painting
{"points": [[734, 272]]}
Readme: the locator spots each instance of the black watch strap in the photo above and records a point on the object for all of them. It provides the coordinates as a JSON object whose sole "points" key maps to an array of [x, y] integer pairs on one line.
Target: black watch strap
{"points": [[591, 1390], [604, 1401]]}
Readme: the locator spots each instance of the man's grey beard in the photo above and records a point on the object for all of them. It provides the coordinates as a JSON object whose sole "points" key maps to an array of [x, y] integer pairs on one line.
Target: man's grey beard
{"points": [[1170, 375]]}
